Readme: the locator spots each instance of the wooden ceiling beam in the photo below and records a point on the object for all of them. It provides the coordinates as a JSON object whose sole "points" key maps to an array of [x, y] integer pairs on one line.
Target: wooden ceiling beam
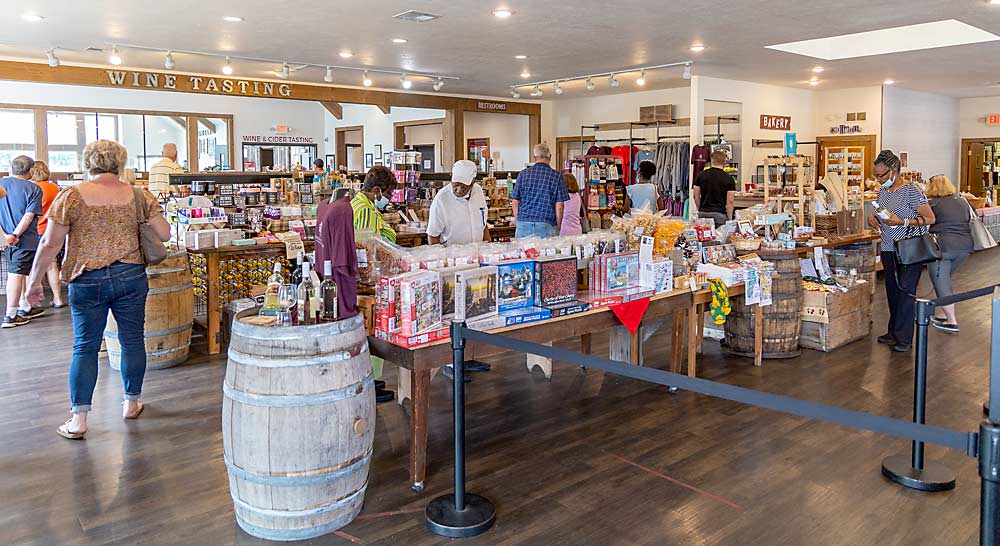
{"points": [[335, 108]]}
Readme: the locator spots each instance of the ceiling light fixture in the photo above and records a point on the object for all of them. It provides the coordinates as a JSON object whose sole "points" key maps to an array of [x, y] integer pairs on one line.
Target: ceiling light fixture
{"points": [[168, 61], [328, 77], [285, 71], [525, 74], [813, 82], [502, 13], [557, 89], [687, 71], [514, 93], [641, 81], [537, 91], [346, 54], [613, 82], [612, 77], [367, 81], [227, 68], [116, 57], [399, 40], [890, 82], [523, 57], [438, 84], [405, 82], [32, 18], [697, 48], [590, 84], [232, 18], [53, 60], [818, 69]]}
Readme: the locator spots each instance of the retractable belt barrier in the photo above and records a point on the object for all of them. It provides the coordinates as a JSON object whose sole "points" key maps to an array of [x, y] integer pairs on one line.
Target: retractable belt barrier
{"points": [[463, 515]]}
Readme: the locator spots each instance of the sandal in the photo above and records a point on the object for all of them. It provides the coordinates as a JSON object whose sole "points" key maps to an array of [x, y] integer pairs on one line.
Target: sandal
{"points": [[65, 432], [137, 412]]}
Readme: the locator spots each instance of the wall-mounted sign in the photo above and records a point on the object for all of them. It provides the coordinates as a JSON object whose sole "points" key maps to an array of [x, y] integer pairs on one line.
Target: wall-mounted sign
{"points": [[197, 84], [775, 123], [846, 129], [496, 106], [791, 144], [272, 139], [993, 120], [281, 129]]}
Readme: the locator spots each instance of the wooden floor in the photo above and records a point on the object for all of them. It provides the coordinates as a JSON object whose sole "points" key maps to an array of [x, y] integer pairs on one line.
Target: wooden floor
{"points": [[585, 458]]}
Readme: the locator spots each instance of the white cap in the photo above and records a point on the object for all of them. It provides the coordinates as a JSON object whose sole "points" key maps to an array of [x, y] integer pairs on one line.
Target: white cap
{"points": [[464, 172]]}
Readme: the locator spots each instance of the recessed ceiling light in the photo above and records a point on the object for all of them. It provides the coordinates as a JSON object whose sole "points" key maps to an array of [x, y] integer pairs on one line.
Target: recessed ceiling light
{"points": [[502, 13], [525, 74], [994, 1], [890, 82], [346, 54], [818, 69], [523, 57], [889, 40], [697, 48], [232, 18], [32, 17], [399, 40]]}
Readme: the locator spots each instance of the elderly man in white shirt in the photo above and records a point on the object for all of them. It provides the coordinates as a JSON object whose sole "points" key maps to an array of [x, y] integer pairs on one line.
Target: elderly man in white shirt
{"points": [[459, 210]]}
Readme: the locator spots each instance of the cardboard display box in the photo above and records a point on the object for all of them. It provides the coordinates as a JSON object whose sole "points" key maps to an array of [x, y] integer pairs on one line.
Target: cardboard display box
{"points": [[834, 319]]}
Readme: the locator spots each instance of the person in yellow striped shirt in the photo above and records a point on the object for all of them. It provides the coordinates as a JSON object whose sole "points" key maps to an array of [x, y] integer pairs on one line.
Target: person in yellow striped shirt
{"points": [[373, 197]]}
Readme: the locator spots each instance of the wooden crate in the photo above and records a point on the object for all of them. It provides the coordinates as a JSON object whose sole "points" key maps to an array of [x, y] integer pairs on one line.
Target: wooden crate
{"points": [[834, 319]]}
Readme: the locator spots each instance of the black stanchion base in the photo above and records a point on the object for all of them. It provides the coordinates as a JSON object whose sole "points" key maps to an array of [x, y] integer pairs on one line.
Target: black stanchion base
{"points": [[933, 477], [477, 518]]}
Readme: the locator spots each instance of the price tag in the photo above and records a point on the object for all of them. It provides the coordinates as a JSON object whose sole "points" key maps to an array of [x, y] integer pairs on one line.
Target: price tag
{"points": [[646, 249], [293, 244]]}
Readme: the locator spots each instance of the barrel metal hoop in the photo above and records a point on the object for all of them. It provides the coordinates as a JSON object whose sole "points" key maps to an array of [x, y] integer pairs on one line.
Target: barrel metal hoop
{"points": [[155, 272], [310, 512], [297, 361], [170, 289], [161, 352], [158, 333], [316, 478], [298, 333], [304, 533], [298, 400]]}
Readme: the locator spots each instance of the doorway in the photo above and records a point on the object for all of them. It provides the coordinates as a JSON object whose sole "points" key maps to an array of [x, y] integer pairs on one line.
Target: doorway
{"points": [[353, 136], [980, 174], [266, 158], [478, 152], [850, 157]]}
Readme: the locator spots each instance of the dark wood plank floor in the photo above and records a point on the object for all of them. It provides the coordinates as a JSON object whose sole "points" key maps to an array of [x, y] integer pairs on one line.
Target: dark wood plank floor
{"points": [[585, 458]]}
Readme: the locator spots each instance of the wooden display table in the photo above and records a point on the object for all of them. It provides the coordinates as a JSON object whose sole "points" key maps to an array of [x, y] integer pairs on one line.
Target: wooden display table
{"points": [[417, 364]]}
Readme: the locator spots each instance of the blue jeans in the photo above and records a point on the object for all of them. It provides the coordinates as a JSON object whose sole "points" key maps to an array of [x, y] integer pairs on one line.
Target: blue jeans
{"points": [[536, 229], [120, 288]]}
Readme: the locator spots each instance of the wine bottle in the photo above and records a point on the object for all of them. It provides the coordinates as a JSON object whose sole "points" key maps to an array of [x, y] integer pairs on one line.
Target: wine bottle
{"points": [[328, 291], [271, 302], [295, 277], [305, 297]]}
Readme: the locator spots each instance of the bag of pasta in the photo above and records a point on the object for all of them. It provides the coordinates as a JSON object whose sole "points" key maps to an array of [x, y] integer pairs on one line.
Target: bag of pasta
{"points": [[665, 235]]}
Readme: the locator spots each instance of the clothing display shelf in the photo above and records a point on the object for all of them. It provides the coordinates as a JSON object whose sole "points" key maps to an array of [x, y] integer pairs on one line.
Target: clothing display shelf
{"points": [[791, 181]]}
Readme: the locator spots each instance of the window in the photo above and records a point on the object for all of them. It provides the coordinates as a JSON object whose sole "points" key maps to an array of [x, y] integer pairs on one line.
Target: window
{"points": [[69, 133], [162, 130], [213, 144], [17, 135]]}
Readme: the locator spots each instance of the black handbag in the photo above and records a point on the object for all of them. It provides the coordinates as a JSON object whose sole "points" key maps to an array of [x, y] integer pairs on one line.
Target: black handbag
{"points": [[917, 249]]}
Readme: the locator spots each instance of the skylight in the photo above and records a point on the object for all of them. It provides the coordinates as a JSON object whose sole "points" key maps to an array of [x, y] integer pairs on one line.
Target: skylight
{"points": [[889, 40]]}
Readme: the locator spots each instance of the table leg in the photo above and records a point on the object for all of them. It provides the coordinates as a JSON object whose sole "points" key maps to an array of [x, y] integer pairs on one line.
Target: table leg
{"points": [[585, 340], [544, 363], [404, 387], [758, 336], [693, 318], [420, 381], [701, 328], [677, 343], [622, 345], [213, 317], [637, 347]]}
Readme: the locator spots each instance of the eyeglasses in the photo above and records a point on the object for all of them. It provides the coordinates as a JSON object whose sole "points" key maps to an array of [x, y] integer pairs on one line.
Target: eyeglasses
{"points": [[883, 175]]}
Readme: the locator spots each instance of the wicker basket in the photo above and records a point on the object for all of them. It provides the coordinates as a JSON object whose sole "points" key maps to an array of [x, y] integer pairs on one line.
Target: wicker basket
{"points": [[745, 245], [977, 202]]}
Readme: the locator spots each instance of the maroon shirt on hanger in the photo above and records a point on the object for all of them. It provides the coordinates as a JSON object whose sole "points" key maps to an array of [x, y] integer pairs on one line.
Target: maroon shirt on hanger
{"points": [[335, 242], [701, 155]]}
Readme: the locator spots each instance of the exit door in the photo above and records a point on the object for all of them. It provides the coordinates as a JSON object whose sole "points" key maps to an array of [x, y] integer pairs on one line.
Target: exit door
{"points": [[973, 182]]}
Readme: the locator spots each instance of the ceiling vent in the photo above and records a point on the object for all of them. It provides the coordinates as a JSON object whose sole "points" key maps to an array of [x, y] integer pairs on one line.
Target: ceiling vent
{"points": [[415, 16], [95, 49]]}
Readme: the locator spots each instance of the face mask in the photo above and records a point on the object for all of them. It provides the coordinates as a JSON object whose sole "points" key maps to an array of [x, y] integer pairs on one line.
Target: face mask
{"points": [[382, 203], [889, 183]]}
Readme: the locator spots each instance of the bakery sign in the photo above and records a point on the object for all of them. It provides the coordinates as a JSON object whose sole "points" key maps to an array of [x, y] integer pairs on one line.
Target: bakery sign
{"points": [[495, 106], [775, 123], [198, 84]]}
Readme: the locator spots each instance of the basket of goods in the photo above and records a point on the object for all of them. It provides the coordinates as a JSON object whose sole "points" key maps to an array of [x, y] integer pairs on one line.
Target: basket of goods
{"points": [[744, 244], [665, 235]]}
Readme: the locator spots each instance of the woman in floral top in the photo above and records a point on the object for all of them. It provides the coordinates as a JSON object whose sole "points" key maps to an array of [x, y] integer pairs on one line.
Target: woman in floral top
{"points": [[105, 271]]}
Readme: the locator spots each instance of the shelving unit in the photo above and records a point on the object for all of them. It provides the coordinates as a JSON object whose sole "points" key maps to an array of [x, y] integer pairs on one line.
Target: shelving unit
{"points": [[791, 172], [847, 161]]}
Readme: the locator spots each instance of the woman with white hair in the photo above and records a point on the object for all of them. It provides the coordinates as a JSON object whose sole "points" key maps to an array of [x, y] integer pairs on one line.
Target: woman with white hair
{"points": [[104, 267]]}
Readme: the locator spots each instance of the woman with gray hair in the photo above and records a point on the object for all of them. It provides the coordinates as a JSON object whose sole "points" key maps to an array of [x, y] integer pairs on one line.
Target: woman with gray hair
{"points": [[104, 267], [909, 215]]}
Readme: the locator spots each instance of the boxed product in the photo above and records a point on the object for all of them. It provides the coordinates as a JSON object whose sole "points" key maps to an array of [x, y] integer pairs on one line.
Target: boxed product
{"points": [[604, 299], [198, 239], [514, 317], [555, 281], [657, 275], [569, 308], [448, 290], [476, 292], [401, 340], [420, 299], [618, 271], [389, 311], [516, 284]]}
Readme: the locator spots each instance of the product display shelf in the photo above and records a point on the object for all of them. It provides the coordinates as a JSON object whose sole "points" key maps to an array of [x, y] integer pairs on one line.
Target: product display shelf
{"points": [[846, 161], [802, 181]]}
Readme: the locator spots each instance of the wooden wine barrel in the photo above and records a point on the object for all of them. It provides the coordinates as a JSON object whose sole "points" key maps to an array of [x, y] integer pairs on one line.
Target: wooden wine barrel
{"points": [[169, 315], [782, 321], [298, 423]]}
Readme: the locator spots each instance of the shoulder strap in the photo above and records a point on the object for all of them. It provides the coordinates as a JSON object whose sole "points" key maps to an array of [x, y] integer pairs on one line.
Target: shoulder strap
{"points": [[139, 209]]}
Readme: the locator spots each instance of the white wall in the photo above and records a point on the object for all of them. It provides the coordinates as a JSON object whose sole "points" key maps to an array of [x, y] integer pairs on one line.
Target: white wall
{"points": [[379, 128], [251, 116], [972, 117], [833, 106], [508, 134], [926, 126], [428, 135], [569, 115]]}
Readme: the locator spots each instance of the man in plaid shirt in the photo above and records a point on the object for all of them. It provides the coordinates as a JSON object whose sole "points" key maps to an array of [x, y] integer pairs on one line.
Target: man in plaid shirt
{"points": [[539, 197]]}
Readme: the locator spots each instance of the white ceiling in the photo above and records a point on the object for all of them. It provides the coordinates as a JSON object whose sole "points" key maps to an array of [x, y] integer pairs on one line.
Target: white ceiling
{"points": [[561, 40]]}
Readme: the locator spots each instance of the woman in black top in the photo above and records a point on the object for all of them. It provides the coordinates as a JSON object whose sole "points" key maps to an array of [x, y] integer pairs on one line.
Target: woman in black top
{"points": [[955, 239]]}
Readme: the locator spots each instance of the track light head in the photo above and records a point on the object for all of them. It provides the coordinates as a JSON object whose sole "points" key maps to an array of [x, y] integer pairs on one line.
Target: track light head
{"points": [[438, 84], [285, 71], [537, 91], [641, 81], [557, 89], [168, 61], [590, 84], [116, 57], [53, 60], [687, 71], [406, 83], [227, 68], [514, 93], [366, 80], [328, 77], [613, 82]]}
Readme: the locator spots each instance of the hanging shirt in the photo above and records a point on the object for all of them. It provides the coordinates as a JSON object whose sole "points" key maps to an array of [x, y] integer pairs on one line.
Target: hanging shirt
{"points": [[701, 155], [367, 216], [335, 243], [458, 220], [624, 153]]}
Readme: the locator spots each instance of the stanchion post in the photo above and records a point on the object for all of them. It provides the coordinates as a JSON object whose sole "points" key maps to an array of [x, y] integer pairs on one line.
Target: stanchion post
{"points": [[913, 471], [459, 515], [989, 443]]}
